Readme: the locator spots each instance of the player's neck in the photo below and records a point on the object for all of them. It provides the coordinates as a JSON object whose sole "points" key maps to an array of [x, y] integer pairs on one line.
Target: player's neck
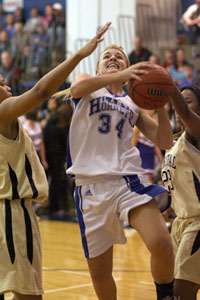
{"points": [[115, 89]]}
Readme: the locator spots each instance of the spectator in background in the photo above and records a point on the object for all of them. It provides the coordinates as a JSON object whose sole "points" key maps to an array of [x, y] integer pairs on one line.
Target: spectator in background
{"points": [[2, 17], [58, 14], [177, 68], [5, 44], [48, 16], [154, 59], [169, 59], [190, 75], [191, 17], [26, 62], [46, 112], [9, 25], [33, 21], [40, 45], [33, 128], [19, 41], [19, 15], [140, 53], [56, 32], [55, 138], [10, 72]]}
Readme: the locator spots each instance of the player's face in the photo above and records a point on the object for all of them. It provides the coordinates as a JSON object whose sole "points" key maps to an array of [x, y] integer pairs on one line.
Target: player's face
{"points": [[5, 91], [111, 61], [192, 102]]}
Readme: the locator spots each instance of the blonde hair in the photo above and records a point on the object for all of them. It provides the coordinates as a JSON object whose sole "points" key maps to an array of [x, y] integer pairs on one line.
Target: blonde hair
{"points": [[64, 96], [113, 46]]}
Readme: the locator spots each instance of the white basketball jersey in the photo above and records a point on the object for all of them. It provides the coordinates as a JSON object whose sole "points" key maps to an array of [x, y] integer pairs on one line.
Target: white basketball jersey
{"points": [[100, 136], [181, 175]]}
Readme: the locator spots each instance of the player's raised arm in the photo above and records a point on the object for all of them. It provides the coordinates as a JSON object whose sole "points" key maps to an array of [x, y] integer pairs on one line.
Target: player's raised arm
{"points": [[13, 107]]}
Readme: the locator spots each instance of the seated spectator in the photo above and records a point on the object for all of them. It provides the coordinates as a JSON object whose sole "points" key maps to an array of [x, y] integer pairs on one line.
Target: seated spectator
{"points": [[190, 75], [19, 15], [26, 63], [40, 45], [177, 68], [169, 59], [5, 44], [48, 16], [19, 41], [51, 106], [154, 59], [9, 25], [56, 32], [33, 128], [2, 17], [58, 15], [140, 53], [10, 72], [191, 17], [33, 21]]}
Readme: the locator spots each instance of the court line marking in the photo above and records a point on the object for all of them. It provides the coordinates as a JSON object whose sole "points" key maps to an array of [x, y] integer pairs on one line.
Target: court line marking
{"points": [[72, 287], [86, 270], [65, 271], [65, 289], [146, 282]]}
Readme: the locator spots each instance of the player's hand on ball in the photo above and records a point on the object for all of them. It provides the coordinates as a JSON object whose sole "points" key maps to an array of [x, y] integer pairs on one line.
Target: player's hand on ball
{"points": [[135, 71], [154, 90], [92, 44]]}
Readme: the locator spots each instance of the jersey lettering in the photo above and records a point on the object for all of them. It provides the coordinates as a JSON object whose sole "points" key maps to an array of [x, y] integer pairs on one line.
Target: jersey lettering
{"points": [[103, 104], [167, 179], [106, 125]]}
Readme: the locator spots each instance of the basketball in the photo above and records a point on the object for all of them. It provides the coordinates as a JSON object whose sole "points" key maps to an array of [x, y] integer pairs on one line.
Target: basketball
{"points": [[154, 91]]}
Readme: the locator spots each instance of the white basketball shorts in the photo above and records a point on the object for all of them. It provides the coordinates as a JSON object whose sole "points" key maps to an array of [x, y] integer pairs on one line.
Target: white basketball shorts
{"points": [[102, 206]]}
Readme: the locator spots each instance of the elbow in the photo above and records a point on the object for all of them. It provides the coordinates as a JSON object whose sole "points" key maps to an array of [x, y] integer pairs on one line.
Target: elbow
{"points": [[166, 144], [75, 91], [41, 93]]}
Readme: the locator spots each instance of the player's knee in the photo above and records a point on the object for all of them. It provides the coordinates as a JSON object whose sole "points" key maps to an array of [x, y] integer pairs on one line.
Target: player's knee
{"points": [[161, 246]]}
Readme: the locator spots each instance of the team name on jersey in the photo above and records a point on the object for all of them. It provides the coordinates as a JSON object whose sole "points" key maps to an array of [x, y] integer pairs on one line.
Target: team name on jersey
{"points": [[104, 103], [169, 160]]}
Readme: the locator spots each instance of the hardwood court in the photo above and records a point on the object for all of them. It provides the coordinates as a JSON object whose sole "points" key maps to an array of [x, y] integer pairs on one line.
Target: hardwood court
{"points": [[65, 272]]}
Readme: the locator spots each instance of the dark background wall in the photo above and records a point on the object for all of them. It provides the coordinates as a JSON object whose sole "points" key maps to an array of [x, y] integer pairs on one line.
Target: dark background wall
{"points": [[28, 4], [41, 4], [186, 3]]}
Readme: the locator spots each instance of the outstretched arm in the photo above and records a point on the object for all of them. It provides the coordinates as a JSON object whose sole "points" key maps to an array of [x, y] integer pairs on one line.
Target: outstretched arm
{"points": [[13, 107], [189, 118]]}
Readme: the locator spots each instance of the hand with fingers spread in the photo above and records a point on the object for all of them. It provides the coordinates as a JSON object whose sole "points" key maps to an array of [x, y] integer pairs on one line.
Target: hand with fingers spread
{"points": [[92, 44]]}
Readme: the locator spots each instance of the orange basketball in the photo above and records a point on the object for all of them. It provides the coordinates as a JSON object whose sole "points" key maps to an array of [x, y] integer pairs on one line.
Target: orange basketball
{"points": [[154, 91]]}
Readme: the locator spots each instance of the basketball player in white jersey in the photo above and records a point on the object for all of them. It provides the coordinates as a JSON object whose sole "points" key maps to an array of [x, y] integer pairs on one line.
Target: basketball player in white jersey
{"points": [[181, 175], [22, 179], [110, 184]]}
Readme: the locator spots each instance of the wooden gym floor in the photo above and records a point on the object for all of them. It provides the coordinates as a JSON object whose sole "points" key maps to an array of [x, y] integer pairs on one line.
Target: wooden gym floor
{"points": [[65, 272]]}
